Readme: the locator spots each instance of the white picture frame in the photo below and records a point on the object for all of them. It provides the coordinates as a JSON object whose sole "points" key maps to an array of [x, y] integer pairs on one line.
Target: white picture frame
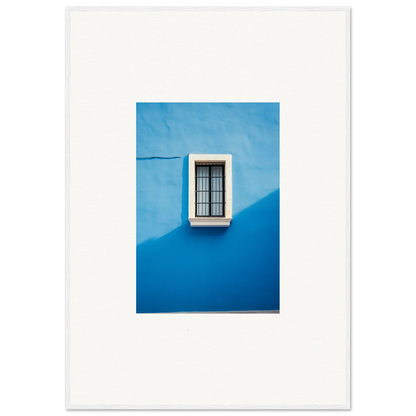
{"points": [[297, 359]]}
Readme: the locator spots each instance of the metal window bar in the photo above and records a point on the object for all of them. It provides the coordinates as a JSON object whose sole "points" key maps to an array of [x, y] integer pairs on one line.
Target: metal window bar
{"points": [[209, 190]]}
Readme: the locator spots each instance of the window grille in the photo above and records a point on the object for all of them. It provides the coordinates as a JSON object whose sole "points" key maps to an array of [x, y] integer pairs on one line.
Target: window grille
{"points": [[210, 189]]}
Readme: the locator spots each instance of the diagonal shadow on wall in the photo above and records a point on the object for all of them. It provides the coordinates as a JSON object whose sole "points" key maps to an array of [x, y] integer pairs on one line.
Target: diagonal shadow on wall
{"points": [[213, 269]]}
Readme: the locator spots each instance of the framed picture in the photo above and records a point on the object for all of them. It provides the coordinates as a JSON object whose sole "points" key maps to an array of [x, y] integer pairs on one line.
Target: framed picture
{"points": [[208, 213]]}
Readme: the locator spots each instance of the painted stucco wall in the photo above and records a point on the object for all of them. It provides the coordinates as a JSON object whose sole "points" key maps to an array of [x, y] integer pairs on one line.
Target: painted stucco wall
{"points": [[184, 269]]}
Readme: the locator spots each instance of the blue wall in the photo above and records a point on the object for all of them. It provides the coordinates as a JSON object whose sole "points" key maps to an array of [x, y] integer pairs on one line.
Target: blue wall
{"points": [[180, 268]]}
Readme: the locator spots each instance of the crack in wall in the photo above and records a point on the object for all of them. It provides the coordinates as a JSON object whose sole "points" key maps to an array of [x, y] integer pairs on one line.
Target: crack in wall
{"points": [[158, 157]]}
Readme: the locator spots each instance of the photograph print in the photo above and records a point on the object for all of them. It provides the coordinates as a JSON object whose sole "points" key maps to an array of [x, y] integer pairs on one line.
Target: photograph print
{"points": [[207, 208]]}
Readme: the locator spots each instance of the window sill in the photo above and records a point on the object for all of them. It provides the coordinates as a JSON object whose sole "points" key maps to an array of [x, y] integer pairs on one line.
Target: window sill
{"points": [[210, 222]]}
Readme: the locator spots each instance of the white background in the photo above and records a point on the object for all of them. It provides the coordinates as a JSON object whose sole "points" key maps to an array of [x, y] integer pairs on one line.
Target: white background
{"points": [[296, 358]]}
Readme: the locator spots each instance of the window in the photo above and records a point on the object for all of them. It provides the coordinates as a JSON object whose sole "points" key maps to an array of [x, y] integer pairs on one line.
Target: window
{"points": [[209, 198], [210, 190]]}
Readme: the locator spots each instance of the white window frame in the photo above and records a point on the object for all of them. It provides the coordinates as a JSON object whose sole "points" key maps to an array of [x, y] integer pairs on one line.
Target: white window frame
{"points": [[211, 221]]}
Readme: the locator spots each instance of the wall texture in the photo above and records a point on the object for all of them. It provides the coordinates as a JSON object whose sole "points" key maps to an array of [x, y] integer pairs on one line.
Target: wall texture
{"points": [[184, 269]]}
